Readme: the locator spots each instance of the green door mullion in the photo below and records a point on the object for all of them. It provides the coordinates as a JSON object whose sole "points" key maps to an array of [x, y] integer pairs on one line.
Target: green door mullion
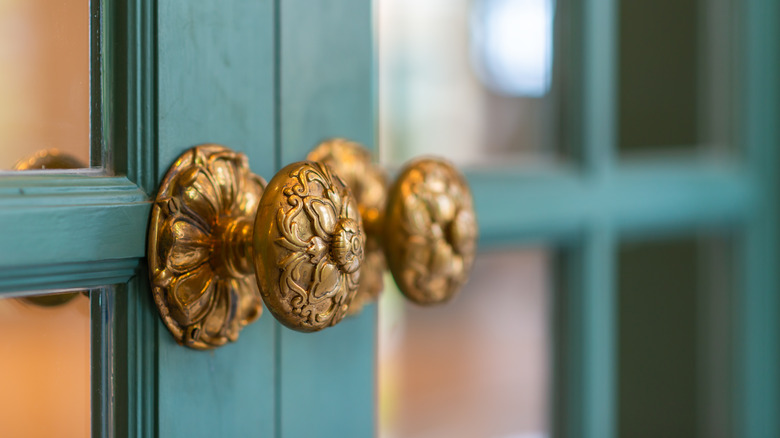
{"points": [[586, 364], [325, 80], [640, 199], [599, 86], [598, 366], [592, 338], [758, 341], [756, 382], [125, 320]]}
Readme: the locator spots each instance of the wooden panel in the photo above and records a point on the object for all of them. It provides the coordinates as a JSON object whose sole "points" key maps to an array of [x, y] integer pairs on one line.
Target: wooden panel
{"points": [[215, 86], [326, 90]]}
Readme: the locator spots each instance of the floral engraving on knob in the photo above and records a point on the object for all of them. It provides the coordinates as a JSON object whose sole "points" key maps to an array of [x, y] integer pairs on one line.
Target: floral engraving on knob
{"points": [[200, 266], [430, 231], [368, 183], [318, 248]]}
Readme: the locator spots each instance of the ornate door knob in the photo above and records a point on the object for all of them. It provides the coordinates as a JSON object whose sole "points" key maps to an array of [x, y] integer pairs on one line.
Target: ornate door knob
{"points": [[221, 241], [424, 225]]}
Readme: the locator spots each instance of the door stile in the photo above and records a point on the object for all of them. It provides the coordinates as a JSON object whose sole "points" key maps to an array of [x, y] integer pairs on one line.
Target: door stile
{"points": [[128, 91], [326, 85], [215, 85], [124, 318], [757, 382]]}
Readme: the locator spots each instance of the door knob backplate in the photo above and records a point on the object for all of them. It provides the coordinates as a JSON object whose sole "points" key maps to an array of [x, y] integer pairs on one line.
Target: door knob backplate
{"points": [[201, 273]]}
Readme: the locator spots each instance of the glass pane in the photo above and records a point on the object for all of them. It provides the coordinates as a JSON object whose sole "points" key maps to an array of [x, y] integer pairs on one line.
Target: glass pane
{"points": [[675, 331], [677, 81], [476, 81], [44, 79], [45, 366], [478, 366]]}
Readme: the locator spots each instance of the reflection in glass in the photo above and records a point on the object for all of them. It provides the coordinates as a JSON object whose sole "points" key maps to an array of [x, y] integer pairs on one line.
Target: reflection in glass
{"points": [[45, 368], [513, 42], [470, 80], [478, 366], [44, 78], [676, 85], [675, 337]]}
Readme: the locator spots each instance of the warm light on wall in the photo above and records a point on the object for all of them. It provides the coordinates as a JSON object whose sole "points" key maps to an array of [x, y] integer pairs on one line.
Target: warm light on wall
{"points": [[45, 369], [44, 78]]}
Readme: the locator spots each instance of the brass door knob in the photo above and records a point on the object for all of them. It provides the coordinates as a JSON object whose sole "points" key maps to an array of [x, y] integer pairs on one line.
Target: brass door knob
{"points": [[221, 240], [424, 224]]}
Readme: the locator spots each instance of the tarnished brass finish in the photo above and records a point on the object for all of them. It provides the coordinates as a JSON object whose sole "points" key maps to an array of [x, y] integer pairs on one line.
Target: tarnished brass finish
{"points": [[425, 227], [430, 231], [309, 246], [200, 254], [220, 242], [368, 182], [50, 159]]}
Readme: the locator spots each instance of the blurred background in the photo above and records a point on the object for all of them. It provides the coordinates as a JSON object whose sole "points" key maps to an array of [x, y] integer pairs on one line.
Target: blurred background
{"points": [[44, 103], [491, 85], [44, 78], [488, 84], [45, 368]]}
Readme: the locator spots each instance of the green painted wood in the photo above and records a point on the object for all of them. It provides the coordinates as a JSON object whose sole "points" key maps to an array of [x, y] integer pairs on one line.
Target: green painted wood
{"points": [[326, 379], [76, 233], [326, 74], [594, 412], [584, 387], [102, 311], [758, 383], [79, 186], [597, 369], [124, 91], [55, 223], [215, 85], [598, 82], [128, 91], [177, 74], [136, 374], [556, 205], [20, 281]]}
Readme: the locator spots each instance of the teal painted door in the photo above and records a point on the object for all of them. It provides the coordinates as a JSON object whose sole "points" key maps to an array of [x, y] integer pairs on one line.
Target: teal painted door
{"points": [[271, 78], [267, 78]]}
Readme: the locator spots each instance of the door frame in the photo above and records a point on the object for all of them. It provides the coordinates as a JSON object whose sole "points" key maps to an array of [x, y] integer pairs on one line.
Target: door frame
{"points": [[85, 224]]}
